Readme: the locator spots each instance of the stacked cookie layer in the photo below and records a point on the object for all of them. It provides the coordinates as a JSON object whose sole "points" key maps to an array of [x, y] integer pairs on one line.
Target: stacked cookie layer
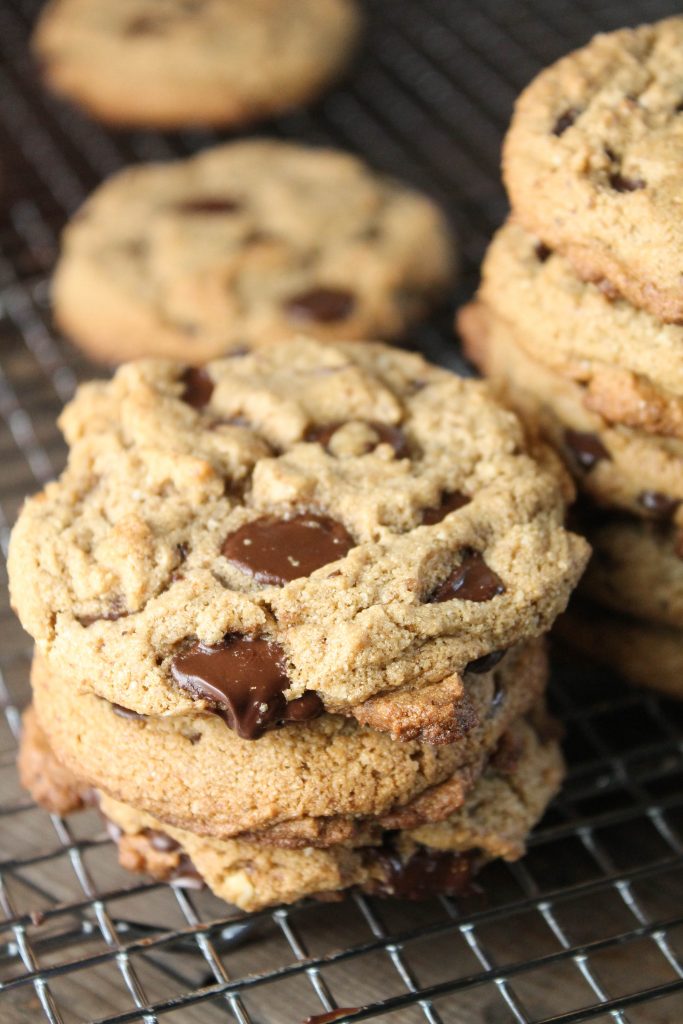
{"points": [[287, 612], [578, 319]]}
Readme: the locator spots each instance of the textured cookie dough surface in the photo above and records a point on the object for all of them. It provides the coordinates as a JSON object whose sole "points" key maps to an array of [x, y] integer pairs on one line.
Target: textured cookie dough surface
{"points": [[592, 162], [630, 363], [176, 63], [326, 781], [494, 822], [457, 547], [642, 653], [618, 466], [249, 241], [636, 568]]}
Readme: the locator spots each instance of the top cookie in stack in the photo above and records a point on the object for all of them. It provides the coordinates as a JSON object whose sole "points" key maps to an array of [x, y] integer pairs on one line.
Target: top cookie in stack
{"points": [[579, 315], [338, 539]]}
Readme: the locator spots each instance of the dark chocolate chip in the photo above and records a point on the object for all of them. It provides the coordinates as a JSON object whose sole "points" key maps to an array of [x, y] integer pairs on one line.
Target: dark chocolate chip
{"points": [[116, 611], [186, 875], [566, 120], [620, 183], [486, 662], [660, 506], [244, 679], [143, 25], [208, 205], [451, 501], [320, 305], [198, 387], [679, 108], [160, 841], [426, 873], [587, 449], [543, 252], [128, 713], [472, 580], [279, 550], [386, 434]]}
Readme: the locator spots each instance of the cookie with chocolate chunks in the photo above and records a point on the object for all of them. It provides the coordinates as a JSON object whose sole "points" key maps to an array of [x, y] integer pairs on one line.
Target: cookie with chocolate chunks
{"points": [[249, 241], [324, 781], [592, 162], [291, 511], [177, 64], [622, 467], [410, 863]]}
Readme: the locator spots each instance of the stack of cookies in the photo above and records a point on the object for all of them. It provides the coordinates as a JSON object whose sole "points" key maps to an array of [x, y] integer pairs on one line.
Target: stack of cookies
{"points": [[579, 321], [288, 611]]}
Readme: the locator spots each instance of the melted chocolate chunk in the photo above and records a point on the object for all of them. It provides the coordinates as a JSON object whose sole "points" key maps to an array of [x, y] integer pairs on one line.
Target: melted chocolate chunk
{"points": [[144, 25], [486, 662], [660, 506], [472, 580], [208, 205], [426, 873], [565, 120], [450, 502], [543, 252], [332, 1015], [587, 449], [160, 841], [186, 875], [122, 712], [320, 305], [244, 679], [386, 434], [117, 611], [620, 183], [279, 550], [198, 387]]}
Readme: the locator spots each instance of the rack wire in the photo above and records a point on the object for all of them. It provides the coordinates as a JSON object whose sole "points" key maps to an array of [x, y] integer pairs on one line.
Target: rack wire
{"points": [[589, 926]]}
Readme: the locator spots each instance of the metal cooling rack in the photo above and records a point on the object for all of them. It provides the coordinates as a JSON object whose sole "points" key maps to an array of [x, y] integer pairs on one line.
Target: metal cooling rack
{"points": [[590, 925]]}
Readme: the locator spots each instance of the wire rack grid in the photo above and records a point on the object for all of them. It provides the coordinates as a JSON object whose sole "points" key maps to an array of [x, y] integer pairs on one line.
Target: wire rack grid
{"points": [[589, 926]]}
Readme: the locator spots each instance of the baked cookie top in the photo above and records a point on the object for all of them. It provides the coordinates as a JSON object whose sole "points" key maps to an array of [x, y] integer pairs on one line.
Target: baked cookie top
{"points": [[174, 63], [247, 241], [592, 162], [328, 523], [584, 331]]}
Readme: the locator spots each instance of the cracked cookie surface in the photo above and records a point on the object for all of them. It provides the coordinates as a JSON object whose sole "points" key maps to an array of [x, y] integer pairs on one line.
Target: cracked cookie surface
{"points": [[249, 241], [118, 568], [178, 63], [592, 162]]}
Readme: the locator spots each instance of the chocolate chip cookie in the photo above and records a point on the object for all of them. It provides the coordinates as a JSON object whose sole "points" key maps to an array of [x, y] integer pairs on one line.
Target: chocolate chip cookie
{"points": [[177, 63], [592, 162], [641, 652], [416, 535], [630, 364], [249, 241], [327, 781], [637, 567], [617, 466], [521, 777]]}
